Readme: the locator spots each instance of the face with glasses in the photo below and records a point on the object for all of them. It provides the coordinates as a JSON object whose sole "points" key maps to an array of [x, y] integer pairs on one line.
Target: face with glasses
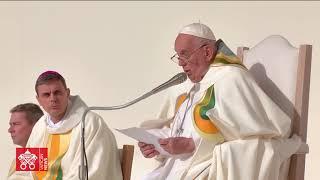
{"points": [[193, 56]]}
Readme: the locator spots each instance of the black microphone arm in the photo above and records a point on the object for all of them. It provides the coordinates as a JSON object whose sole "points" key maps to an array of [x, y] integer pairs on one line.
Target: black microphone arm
{"points": [[175, 80]]}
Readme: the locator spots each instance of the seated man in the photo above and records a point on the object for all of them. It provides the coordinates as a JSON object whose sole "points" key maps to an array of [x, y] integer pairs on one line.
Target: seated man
{"points": [[59, 130], [218, 124], [23, 118]]}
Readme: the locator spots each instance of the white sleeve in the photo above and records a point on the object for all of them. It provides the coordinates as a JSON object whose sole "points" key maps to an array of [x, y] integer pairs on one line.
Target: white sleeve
{"points": [[242, 109], [101, 150]]}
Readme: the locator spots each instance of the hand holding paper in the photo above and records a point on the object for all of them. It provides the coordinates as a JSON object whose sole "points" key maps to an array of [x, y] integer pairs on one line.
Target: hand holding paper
{"points": [[148, 150], [178, 145]]}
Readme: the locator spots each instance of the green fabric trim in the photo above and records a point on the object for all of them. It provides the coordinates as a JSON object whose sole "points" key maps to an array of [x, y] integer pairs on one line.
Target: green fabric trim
{"points": [[209, 101]]}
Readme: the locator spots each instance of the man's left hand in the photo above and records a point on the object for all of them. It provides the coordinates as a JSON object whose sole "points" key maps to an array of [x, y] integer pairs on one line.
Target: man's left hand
{"points": [[177, 145]]}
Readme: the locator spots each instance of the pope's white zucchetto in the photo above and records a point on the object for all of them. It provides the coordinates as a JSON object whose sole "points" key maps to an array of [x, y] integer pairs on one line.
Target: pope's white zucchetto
{"points": [[198, 30]]}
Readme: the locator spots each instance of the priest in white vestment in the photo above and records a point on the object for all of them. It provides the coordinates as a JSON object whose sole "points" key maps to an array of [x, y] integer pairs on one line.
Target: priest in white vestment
{"points": [[218, 124], [59, 131]]}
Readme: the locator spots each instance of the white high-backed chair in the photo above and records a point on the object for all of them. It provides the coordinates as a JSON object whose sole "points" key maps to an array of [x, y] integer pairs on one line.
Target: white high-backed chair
{"points": [[283, 72]]}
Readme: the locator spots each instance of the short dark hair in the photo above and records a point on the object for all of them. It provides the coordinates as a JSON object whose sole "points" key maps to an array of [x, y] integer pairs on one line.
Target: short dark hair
{"points": [[47, 76], [33, 111]]}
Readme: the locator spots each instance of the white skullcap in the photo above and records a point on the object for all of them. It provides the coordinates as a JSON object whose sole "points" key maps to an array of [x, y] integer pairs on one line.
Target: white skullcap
{"points": [[199, 30]]}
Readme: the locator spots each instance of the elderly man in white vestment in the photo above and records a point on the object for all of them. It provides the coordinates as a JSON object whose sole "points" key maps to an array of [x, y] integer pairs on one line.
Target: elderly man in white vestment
{"points": [[218, 124], [59, 131]]}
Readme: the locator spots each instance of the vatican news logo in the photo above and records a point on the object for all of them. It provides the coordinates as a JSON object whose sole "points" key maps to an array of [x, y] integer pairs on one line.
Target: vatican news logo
{"points": [[31, 159]]}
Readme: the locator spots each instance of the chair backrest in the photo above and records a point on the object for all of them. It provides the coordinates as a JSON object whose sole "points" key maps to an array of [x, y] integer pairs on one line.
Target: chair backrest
{"points": [[126, 156], [283, 72]]}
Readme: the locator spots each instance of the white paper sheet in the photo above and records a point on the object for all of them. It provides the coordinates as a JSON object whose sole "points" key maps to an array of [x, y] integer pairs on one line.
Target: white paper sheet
{"points": [[142, 135]]}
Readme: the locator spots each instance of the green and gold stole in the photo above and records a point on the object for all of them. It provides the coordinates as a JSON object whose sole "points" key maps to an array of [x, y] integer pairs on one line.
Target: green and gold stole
{"points": [[57, 145]]}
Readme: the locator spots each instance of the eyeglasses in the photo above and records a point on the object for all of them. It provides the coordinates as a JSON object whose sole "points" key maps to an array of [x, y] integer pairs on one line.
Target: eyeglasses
{"points": [[176, 58]]}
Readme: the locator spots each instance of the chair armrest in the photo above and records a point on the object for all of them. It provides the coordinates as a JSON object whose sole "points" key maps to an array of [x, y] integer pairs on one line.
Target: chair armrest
{"points": [[303, 149]]}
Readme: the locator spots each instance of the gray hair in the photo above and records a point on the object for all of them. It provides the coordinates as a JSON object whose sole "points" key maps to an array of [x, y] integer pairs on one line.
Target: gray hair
{"points": [[202, 41]]}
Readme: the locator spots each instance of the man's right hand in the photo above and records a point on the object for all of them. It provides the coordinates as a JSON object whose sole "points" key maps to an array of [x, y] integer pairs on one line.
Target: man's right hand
{"points": [[148, 150]]}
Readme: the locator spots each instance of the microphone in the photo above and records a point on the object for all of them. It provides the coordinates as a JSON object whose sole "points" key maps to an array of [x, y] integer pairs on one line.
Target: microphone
{"points": [[175, 80]]}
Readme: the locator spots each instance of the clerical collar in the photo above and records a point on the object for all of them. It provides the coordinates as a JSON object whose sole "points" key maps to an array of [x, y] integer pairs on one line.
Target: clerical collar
{"points": [[52, 124]]}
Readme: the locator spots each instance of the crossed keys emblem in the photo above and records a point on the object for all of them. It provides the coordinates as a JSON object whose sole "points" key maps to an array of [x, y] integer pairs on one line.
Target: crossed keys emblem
{"points": [[27, 159]]}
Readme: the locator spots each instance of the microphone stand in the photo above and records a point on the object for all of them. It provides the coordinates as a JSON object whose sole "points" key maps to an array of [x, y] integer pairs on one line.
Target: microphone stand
{"points": [[83, 169]]}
